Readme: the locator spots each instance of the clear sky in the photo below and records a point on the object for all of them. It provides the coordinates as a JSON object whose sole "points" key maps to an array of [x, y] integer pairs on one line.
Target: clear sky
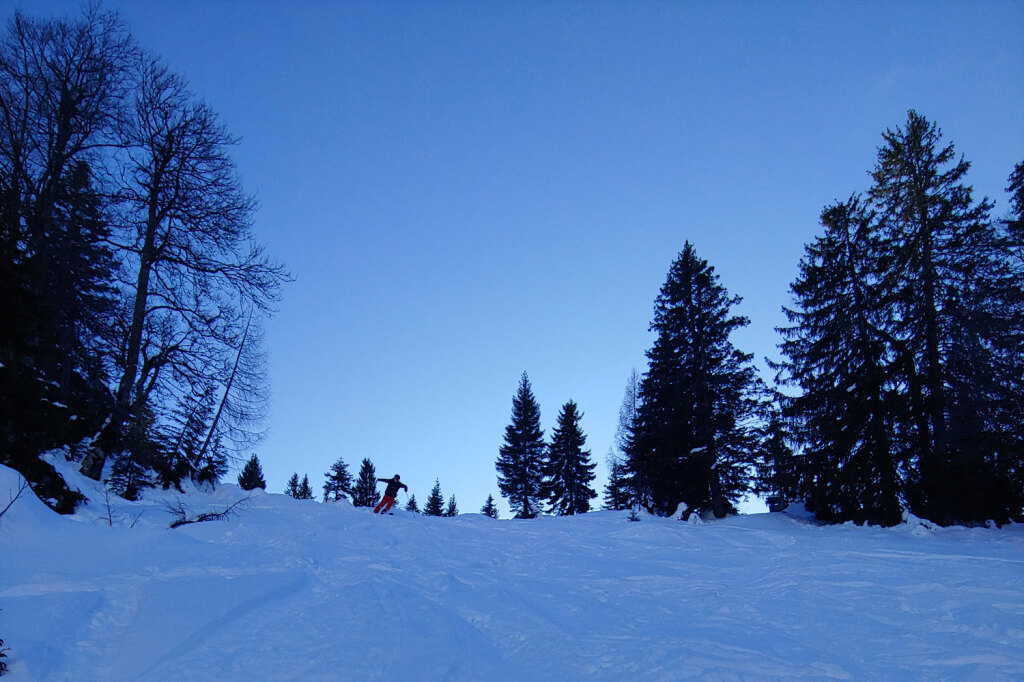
{"points": [[468, 190]]}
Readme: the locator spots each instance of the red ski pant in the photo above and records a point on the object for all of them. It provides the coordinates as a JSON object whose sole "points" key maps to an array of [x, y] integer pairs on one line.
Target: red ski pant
{"points": [[385, 502]]}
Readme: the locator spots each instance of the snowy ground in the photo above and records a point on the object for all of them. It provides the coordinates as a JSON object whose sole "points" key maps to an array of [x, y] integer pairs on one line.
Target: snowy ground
{"points": [[291, 590]]}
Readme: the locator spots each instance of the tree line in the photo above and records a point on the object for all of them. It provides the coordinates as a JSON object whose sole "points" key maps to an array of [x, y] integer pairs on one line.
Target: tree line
{"points": [[899, 391], [901, 384], [360, 491], [133, 287]]}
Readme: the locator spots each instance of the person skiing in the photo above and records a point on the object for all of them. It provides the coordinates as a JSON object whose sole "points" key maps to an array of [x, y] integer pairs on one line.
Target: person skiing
{"points": [[389, 494]]}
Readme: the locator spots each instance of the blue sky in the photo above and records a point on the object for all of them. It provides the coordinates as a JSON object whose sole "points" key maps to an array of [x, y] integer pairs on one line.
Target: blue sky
{"points": [[468, 190]]}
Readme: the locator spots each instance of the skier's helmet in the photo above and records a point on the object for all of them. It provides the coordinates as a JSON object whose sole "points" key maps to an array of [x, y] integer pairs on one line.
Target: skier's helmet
{"points": [[397, 477]]}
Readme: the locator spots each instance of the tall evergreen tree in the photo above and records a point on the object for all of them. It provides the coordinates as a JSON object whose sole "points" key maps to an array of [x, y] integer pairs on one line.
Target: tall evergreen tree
{"points": [[435, 502], [365, 494], [412, 505], [77, 290], [338, 481], [520, 457], [567, 470], [695, 439], [489, 508], [844, 414], [954, 325], [906, 345], [1015, 221], [452, 509], [251, 476]]}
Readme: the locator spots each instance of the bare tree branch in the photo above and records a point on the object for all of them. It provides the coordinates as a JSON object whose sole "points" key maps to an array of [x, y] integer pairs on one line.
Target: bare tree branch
{"points": [[21, 489], [180, 513]]}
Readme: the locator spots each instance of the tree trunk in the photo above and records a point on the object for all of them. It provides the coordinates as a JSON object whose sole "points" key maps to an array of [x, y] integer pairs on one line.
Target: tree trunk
{"points": [[718, 505], [224, 398], [109, 437]]}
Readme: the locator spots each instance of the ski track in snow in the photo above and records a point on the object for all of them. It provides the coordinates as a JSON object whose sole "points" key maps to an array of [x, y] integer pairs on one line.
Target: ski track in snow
{"points": [[292, 590]]}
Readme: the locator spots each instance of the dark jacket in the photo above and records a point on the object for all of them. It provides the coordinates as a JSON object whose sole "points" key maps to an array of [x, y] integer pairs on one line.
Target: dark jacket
{"points": [[393, 486]]}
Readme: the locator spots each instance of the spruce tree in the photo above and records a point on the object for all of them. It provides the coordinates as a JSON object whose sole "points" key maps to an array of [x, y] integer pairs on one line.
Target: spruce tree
{"points": [[338, 481], [844, 412], [695, 435], [412, 505], [365, 494], [1015, 221], [521, 455], [304, 491], [779, 470], [127, 476], [452, 509], [567, 469], [292, 489], [954, 326], [489, 508], [435, 502], [617, 492], [252, 475], [77, 287]]}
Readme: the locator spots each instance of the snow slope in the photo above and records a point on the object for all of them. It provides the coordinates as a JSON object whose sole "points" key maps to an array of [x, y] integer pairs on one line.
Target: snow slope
{"points": [[293, 590]]}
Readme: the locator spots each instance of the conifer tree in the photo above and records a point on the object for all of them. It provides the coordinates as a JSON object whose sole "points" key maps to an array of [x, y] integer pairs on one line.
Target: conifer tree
{"points": [[779, 470], [1015, 221], [435, 502], [954, 324], [365, 494], [338, 481], [905, 343], [695, 434], [520, 457], [304, 491], [412, 505], [251, 476], [292, 489], [489, 508], [567, 470], [452, 509], [844, 413], [127, 476], [617, 492]]}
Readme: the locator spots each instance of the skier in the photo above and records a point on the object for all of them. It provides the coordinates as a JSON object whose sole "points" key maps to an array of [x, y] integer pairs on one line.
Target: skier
{"points": [[390, 493]]}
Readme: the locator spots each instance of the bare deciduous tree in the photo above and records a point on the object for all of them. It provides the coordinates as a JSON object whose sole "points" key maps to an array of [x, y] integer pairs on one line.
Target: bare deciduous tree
{"points": [[196, 267]]}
